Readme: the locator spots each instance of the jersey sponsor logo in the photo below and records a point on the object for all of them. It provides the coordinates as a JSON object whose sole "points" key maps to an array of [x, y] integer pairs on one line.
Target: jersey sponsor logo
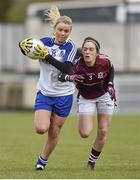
{"points": [[57, 53], [53, 52], [62, 53]]}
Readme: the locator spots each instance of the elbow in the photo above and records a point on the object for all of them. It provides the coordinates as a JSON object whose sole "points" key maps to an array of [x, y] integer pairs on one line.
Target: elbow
{"points": [[68, 69]]}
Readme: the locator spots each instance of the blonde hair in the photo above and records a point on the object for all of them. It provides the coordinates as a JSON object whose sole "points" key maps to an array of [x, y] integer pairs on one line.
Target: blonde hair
{"points": [[53, 15]]}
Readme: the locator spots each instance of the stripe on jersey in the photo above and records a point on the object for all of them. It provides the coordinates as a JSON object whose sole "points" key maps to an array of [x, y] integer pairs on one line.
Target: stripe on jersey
{"points": [[73, 51]]}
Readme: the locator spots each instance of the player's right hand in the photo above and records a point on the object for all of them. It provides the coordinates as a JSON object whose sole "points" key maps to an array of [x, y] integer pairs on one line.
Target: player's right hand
{"points": [[76, 78], [72, 78], [25, 45]]}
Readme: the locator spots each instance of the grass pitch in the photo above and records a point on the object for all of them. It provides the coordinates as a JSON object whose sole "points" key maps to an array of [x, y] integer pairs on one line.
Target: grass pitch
{"points": [[20, 146]]}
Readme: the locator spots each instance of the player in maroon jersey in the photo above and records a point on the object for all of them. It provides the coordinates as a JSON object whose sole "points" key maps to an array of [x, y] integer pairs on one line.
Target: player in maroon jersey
{"points": [[93, 75]]}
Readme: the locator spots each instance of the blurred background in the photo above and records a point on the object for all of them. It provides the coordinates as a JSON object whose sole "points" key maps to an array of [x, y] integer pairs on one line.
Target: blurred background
{"points": [[114, 23]]}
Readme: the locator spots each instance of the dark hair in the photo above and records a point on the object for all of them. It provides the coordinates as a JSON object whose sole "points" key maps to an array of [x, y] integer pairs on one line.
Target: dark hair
{"points": [[90, 39]]}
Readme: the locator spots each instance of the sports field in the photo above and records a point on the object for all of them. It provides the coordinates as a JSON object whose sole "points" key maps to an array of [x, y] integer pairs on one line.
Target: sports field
{"points": [[20, 147]]}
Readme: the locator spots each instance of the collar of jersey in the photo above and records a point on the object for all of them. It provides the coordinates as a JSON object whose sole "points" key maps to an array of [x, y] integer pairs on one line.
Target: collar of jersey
{"points": [[58, 43]]}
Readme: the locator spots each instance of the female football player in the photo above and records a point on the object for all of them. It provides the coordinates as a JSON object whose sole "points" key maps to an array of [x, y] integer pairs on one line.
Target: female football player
{"points": [[54, 98], [93, 75]]}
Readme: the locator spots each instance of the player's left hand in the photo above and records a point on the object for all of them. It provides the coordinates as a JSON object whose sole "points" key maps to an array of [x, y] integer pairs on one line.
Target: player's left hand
{"points": [[41, 52], [63, 77], [111, 91]]}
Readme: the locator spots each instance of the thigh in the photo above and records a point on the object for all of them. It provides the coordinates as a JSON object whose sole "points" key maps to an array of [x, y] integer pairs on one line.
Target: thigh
{"points": [[57, 120], [85, 123], [86, 106], [62, 105], [42, 120], [56, 125], [105, 105]]}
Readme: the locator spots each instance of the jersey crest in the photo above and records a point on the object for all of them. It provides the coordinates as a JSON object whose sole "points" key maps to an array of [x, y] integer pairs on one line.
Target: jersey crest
{"points": [[100, 75]]}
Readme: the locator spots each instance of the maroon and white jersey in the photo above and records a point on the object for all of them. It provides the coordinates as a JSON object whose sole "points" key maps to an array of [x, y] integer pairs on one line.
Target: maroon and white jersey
{"points": [[95, 78]]}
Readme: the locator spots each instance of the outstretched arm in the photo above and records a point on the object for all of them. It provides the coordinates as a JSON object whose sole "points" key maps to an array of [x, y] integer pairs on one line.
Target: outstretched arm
{"points": [[72, 78]]}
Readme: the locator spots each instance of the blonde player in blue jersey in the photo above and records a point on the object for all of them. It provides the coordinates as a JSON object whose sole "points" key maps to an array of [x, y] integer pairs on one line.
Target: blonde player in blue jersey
{"points": [[54, 98]]}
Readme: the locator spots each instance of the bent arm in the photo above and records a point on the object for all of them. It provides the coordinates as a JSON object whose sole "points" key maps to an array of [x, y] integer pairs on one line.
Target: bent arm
{"points": [[111, 74], [64, 67]]}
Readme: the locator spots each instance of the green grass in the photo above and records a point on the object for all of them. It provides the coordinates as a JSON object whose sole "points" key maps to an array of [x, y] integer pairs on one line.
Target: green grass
{"points": [[20, 147]]}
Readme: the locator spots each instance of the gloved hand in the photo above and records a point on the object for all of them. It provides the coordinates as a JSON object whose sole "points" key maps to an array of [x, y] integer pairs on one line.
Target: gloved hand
{"points": [[111, 91], [63, 77], [25, 44], [40, 52], [75, 77]]}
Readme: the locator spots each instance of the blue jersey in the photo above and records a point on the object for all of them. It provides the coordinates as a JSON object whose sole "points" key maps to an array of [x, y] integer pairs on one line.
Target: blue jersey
{"points": [[48, 82]]}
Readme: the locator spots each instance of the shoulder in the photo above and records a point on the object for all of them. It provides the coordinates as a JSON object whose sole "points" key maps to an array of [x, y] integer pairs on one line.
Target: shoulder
{"points": [[79, 61], [70, 49], [70, 44], [103, 59], [47, 41], [79, 64], [70, 41]]}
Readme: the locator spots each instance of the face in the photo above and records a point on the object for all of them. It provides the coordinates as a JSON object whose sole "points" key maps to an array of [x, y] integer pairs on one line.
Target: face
{"points": [[89, 53], [62, 32]]}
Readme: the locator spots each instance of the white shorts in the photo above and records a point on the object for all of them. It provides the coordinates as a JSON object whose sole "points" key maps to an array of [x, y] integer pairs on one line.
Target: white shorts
{"points": [[101, 105]]}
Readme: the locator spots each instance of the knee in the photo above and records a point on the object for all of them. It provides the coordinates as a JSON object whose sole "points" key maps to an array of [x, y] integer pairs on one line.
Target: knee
{"points": [[84, 134], [102, 134], [41, 129]]}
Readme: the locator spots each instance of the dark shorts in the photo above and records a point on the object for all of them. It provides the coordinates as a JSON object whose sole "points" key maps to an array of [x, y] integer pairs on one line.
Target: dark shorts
{"points": [[60, 105]]}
